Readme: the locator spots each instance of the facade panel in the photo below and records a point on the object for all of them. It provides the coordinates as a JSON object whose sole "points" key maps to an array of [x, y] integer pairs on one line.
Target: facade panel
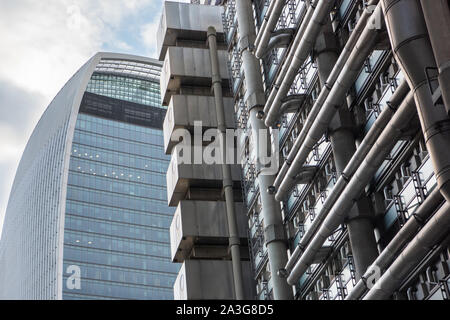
{"points": [[362, 186]]}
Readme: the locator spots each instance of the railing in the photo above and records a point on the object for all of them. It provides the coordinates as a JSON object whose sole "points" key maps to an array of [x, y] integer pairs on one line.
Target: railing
{"points": [[412, 194]]}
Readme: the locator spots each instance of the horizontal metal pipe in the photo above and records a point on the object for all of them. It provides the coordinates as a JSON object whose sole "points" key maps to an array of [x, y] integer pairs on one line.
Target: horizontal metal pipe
{"points": [[356, 33], [412, 226], [345, 79], [300, 54], [362, 151], [435, 229], [268, 27], [377, 154]]}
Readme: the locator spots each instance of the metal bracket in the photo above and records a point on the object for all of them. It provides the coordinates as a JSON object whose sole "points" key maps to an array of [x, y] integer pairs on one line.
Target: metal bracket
{"points": [[274, 232]]}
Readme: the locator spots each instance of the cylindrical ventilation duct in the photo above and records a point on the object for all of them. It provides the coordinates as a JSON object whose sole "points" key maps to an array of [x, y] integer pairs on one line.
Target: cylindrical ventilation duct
{"points": [[437, 18], [412, 48]]}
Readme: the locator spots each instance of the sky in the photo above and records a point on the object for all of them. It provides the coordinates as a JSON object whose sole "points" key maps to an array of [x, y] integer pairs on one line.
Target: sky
{"points": [[43, 44]]}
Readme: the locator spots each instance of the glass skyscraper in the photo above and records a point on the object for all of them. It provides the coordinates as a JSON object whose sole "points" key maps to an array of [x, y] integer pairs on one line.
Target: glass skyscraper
{"points": [[87, 216]]}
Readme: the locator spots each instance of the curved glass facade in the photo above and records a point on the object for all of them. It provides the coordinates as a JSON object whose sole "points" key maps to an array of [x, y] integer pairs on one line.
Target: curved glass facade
{"points": [[125, 88], [101, 209]]}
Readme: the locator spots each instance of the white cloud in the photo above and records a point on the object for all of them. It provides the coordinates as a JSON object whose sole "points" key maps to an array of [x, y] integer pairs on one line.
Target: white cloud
{"points": [[148, 35], [19, 111], [43, 44], [148, 32]]}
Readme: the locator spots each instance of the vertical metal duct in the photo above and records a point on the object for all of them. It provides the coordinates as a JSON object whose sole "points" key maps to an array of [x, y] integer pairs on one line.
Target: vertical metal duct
{"points": [[284, 68], [437, 18], [234, 241], [255, 99], [412, 48]]}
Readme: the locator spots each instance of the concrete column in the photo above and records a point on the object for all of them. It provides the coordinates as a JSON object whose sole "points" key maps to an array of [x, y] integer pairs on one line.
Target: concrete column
{"points": [[360, 219], [255, 100]]}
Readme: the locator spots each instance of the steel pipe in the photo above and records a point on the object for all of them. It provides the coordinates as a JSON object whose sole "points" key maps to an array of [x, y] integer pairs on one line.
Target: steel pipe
{"points": [[255, 99], [347, 76], [412, 226], [437, 18], [383, 145], [360, 26], [280, 77], [354, 163], [264, 23], [435, 229], [412, 48], [234, 242], [267, 28], [306, 43]]}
